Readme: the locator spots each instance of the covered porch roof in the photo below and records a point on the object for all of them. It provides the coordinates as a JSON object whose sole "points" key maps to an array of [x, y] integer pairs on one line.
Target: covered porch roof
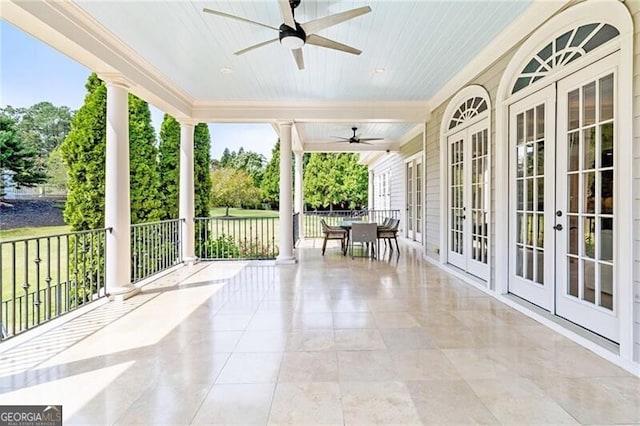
{"points": [[415, 54]]}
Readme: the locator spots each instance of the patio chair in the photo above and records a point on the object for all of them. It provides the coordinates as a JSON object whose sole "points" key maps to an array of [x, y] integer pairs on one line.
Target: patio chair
{"points": [[333, 233], [387, 233], [366, 234]]}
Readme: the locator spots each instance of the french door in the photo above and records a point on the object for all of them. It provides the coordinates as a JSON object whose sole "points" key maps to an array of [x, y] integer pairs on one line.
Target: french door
{"points": [[414, 196], [561, 198], [586, 285], [531, 198], [469, 200]]}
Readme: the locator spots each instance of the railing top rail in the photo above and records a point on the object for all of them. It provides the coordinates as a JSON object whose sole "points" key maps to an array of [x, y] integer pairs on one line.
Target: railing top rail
{"points": [[236, 217], [159, 222], [64, 234]]}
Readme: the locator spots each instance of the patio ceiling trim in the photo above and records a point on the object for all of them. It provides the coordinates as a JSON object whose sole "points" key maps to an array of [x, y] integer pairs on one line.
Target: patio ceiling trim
{"points": [[77, 34], [312, 111]]}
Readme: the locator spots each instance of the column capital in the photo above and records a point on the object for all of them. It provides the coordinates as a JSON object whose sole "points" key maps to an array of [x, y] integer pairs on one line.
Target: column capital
{"points": [[186, 121], [115, 79], [285, 123]]}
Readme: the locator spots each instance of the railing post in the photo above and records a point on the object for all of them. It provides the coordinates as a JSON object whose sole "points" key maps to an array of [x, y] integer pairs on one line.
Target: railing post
{"points": [[299, 195]]}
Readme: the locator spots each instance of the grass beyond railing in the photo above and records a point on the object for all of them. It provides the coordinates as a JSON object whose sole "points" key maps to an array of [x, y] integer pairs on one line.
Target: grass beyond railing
{"points": [[313, 229], [236, 237], [44, 277]]}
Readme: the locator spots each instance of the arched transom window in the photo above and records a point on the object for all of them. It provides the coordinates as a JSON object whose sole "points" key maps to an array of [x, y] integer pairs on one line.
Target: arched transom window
{"points": [[563, 50], [468, 109]]}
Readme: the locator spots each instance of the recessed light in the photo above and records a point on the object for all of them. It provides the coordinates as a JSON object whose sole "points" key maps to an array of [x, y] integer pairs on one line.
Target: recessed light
{"points": [[379, 70], [226, 70]]}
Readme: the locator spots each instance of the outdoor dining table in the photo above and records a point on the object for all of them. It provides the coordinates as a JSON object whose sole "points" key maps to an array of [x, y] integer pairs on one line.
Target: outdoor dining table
{"points": [[347, 224]]}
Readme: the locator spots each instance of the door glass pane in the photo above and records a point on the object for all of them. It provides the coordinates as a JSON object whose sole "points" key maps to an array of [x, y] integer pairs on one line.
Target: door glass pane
{"points": [[540, 266], [574, 152], [573, 112], [574, 232], [572, 192], [589, 180], [589, 237], [529, 194], [606, 98], [589, 138], [606, 145], [606, 285], [540, 157], [573, 276], [520, 161], [529, 125], [589, 280], [540, 237], [606, 192], [606, 239], [589, 104], [540, 121], [529, 263]]}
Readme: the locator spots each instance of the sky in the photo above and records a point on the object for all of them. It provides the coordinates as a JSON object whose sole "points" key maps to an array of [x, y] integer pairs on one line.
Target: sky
{"points": [[32, 72]]}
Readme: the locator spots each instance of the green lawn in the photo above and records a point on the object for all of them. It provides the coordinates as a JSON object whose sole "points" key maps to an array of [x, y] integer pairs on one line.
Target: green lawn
{"points": [[15, 234], [220, 211]]}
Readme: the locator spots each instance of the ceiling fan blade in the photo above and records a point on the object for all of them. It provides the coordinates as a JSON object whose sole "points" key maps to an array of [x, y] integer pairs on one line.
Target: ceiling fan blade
{"points": [[287, 13], [255, 46], [237, 18], [340, 137], [297, 54], [317, 40], [371, 139], [320, 24]]}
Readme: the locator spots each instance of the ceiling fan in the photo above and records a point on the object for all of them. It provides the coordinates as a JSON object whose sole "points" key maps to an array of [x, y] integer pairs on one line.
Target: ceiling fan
{"points": [[294, 35], [357, 139]]}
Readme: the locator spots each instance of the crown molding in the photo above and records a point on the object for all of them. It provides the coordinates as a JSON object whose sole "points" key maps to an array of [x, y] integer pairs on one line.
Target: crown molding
{"points": [[310, 111]]}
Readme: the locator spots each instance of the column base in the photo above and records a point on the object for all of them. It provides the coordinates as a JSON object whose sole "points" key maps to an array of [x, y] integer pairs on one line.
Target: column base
{"points": [[286, 260], [190, 261], [123, 293]]}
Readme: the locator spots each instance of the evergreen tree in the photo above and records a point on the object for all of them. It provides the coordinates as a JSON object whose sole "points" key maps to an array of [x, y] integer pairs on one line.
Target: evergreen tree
{"points": [[83, 151], [169, 165], [146, 201], [335, 180], [15, 157], [202, 175], [270, 185]]}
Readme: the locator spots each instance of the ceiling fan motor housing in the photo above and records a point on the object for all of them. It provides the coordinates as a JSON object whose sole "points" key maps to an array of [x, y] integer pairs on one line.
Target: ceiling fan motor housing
{"points": [[292, 38]]}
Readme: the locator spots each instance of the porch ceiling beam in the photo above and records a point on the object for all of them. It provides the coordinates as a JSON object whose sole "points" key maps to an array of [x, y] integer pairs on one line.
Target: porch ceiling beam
{"points": [[349, 147], [312, 112]]}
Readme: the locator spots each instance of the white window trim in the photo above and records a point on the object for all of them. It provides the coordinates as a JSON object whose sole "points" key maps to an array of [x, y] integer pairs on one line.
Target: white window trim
{"points": [[615, 13], [464, 94]]}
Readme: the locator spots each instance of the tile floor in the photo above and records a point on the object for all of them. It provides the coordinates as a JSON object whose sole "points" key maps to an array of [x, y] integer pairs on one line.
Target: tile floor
{"points": [[331, 340]]}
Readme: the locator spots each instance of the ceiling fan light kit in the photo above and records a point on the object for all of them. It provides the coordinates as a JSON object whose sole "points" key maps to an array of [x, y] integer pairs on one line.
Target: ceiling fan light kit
{"points": [[294, 36]]}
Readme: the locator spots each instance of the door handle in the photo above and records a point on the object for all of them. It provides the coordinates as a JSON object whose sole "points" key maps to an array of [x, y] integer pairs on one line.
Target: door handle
{"points": [[558, 227]]}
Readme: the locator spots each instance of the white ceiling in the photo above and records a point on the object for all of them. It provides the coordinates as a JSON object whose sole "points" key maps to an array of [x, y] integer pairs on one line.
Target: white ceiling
{"points": [[420, 44]]}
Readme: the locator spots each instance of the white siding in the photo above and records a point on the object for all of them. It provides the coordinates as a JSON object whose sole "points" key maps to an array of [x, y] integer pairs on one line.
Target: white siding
{"points": [[634, 8]]}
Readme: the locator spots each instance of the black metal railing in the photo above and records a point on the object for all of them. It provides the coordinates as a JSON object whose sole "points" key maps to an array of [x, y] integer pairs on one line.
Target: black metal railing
{"points": [[236, 237], [44, 277], [155, 246], [313, 229], [296, 228]]}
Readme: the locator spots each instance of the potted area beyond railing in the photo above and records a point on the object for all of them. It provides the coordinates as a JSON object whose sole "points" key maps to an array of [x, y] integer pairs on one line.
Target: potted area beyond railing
{"points": [[236, 237], [313, 229]]}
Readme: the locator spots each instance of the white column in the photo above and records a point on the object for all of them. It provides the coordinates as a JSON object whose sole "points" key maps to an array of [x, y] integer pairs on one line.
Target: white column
{"points": [[117, 214], [286, 212], [299, 193], [370, 199], [187, 209]]}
